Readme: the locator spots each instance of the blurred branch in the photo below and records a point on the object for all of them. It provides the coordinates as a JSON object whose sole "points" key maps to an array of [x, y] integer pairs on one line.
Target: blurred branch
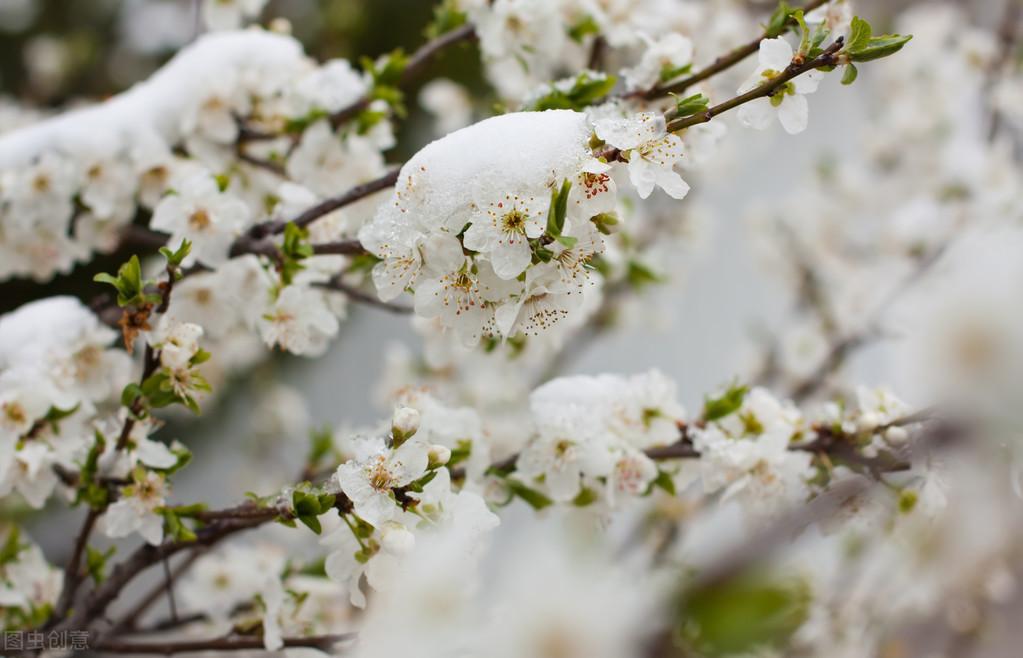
{"points": [[719, 65]]}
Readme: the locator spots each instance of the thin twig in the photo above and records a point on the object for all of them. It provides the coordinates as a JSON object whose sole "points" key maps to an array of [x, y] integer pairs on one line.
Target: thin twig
{"points": [[321, 642], [719, 65], [767, 89], [73, 569], [415, 64], [356, 295]]}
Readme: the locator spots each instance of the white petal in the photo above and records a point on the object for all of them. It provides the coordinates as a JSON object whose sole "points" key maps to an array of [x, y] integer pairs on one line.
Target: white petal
{"points": [[794, 114], [808, 82], [642, 175], [672, 183], [154, 453], [443, 253], [775, 53], [511, 259], [757, 114]]}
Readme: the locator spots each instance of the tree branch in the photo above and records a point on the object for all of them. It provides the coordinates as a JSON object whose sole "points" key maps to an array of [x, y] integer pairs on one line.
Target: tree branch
{"points": [[827, 58], [322, 642], [719, 65]]}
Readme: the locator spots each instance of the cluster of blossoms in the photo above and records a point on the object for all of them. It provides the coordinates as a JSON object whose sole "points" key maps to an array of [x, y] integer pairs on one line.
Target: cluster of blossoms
{"points": [[527, 43], [523, 226], [174, 147], [58, 378], [495, 226]]}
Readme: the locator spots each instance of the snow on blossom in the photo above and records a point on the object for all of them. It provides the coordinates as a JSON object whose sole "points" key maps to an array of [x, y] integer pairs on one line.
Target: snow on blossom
{"points": [[490, 185], [789, 103], [594, 427], [651, 151], [54, 358]]}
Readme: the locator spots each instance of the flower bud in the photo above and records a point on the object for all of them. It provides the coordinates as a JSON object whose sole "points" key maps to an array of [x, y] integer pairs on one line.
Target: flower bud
{"points": [[404, 424], [869, 420], [896, 435], [175, 357], [439, 455], [396, 539]]}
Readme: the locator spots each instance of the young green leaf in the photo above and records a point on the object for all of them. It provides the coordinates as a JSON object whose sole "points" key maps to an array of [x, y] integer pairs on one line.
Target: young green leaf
{"points": [[690, 105], [728, 403]]}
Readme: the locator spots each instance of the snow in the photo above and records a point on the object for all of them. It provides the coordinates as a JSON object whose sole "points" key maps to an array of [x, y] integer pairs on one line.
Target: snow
{"points": [[155, 106]]}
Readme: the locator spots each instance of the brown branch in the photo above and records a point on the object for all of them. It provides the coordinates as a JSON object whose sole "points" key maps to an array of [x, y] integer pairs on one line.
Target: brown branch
{"points": [[351, 292], [73, 569], [842, 348], [415, 64], [321, 642], [719, 65], [130, 622], [827, 58]]}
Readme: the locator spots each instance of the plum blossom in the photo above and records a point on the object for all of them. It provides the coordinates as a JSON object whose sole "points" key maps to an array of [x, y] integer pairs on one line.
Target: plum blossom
{"points": [[502, 229], [199, 212], [137, 510], [651, 151], [370, 478], [299, 321], [789, 102], [664, 58]]}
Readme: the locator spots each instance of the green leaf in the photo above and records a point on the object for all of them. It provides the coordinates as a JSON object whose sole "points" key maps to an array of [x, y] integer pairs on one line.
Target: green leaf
{"points": [[567, 241], [583, 28], [461, 452], [859, 34], [175, 258], [639, 275], [12, 546], [878, 47], [96, 561], [128, 283], [746, 613], [669, 72], [690, 105], [605, 222], [665, 482], [305, 504], [728, 403], [804, 39], [586, 89], [532, 497], [558, 209], [850, 74], [446, 17], [311, 522], [779, 21], [321, 444], [585, 497]]}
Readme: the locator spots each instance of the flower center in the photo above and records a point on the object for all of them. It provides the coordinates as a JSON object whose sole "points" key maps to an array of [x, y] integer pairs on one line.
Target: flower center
{"points": [[380, 477], [15, 413], [514, 221], [199, 220], [595, 184]]}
